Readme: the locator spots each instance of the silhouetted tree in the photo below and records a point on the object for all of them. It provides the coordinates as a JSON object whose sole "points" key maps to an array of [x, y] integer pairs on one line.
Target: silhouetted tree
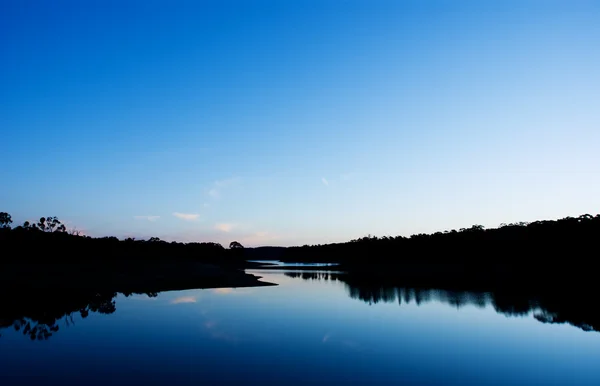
{"points": [[5, 220], [51, 224], [235, 245]]}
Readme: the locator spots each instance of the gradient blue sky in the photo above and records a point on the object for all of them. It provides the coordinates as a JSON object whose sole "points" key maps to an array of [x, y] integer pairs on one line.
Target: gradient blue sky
{"points": [[293, 122]]}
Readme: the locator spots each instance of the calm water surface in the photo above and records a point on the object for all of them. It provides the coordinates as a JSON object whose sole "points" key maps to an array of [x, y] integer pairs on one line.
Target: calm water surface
{"points": [[307, 330]]}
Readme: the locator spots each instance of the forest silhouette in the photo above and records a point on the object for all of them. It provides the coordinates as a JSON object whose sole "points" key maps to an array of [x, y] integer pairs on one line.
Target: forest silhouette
{"points": [[49, 234], [573, 236], [46, 256], [521, 255]]}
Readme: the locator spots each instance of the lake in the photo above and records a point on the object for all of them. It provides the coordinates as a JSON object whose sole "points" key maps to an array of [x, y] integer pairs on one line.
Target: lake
{"points": [[312, 328]]}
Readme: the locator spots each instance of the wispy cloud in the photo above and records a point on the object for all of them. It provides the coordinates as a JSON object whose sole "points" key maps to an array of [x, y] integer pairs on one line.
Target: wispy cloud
{"points": [[184, 299], [224, 227], [147, 218], [335, 180], [218, 186], [186, 216], [222, 291]]}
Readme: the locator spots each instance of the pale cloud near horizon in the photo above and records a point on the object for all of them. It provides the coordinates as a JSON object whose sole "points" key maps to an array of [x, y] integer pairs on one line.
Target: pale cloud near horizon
{"points": [[218, 186], [224, 227], [325, 182], [148, 218], [222, 291], [184, 299], [186, 216]]}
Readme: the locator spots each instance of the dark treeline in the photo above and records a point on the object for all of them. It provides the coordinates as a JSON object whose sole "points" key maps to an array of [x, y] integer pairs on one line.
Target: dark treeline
{"points": [[576, 237], [49, 237], [541, 253], [39, 315], [555, 305], [45, 256]]}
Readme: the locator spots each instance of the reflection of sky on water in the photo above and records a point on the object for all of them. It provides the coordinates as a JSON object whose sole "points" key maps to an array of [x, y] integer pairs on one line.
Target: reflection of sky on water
{"points": [[303, 332]]}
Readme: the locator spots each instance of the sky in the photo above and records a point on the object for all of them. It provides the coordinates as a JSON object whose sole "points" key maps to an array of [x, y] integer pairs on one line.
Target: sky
{"points": [[298, 122]]}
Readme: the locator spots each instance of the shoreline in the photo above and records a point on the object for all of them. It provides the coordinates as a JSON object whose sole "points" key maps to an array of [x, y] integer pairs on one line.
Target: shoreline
{"points": [[123, 276]]}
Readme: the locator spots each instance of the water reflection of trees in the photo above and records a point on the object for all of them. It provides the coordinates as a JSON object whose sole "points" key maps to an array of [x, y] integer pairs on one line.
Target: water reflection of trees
{"points": [[567, 305], [319, 276], [40, 315]]}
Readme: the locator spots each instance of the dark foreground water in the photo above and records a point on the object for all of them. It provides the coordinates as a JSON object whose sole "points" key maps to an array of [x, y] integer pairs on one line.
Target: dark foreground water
{"points": [[311, 329]]}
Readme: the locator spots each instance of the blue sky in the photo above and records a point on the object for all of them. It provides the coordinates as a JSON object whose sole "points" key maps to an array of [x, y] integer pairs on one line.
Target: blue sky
{"points": [[285, 123]]}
